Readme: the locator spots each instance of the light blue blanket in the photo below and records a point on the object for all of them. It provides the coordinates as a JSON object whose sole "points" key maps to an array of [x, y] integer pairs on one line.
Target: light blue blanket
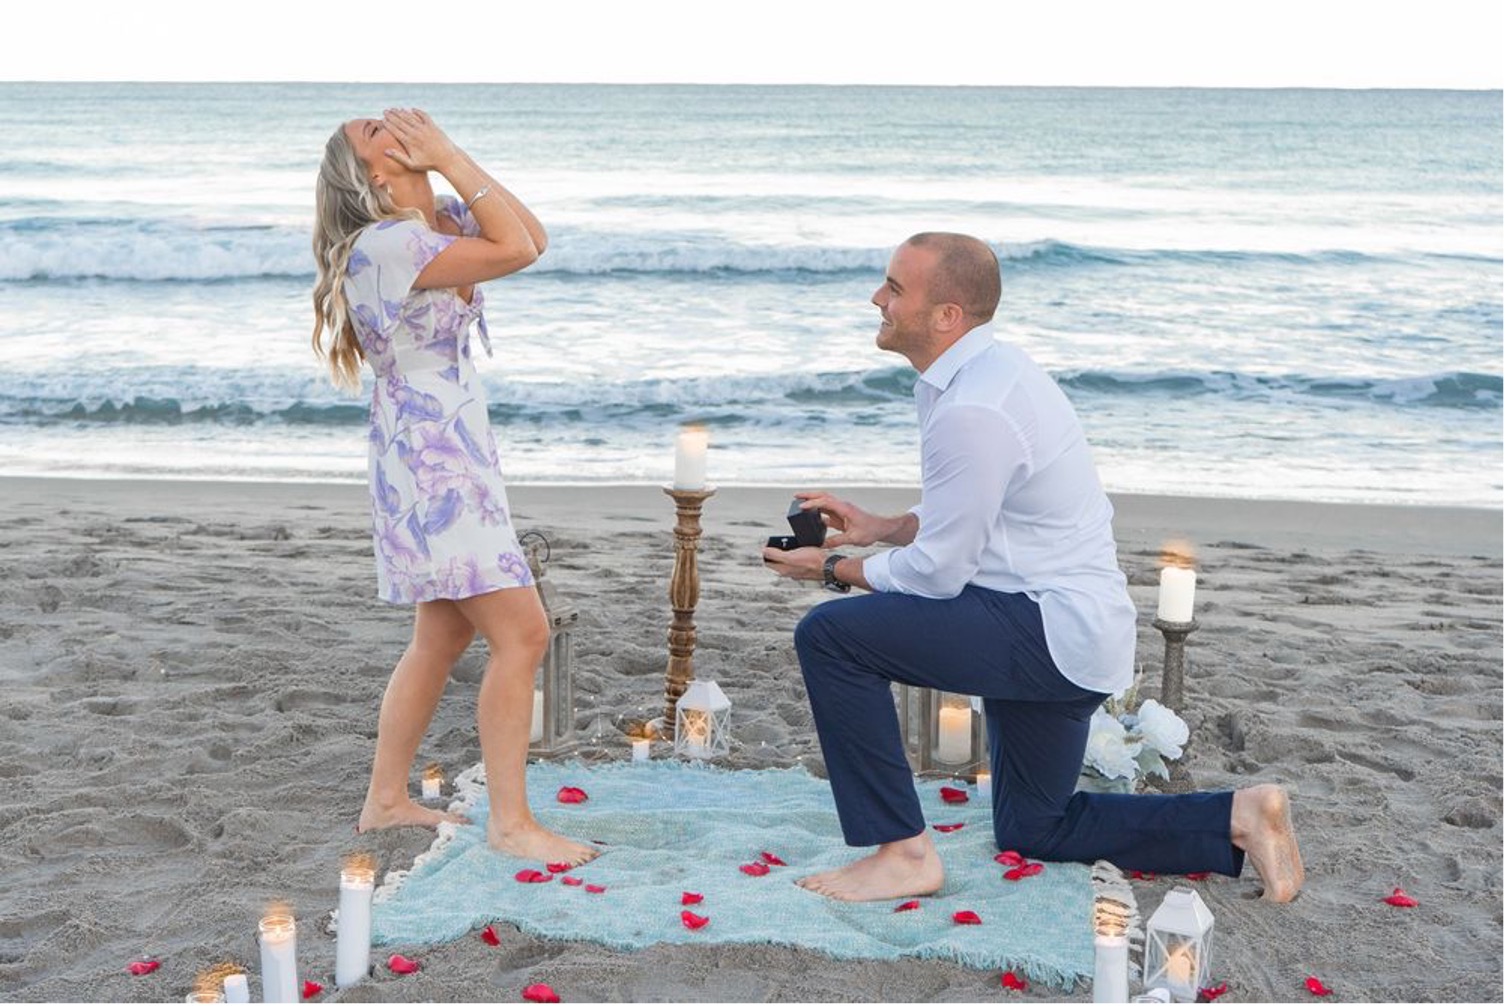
{"points": [[668, 827]]}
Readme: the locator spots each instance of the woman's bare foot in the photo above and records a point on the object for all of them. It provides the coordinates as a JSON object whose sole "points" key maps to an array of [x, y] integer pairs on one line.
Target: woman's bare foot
{"points": [[404, 814], [1261, 825], [533, 841], [904, 869]]}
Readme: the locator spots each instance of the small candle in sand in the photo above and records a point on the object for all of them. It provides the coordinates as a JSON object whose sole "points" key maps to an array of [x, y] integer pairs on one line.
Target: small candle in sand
{"points": [[353, 931], [985, 784], [641, 748], [237, 989], [433, 780], [279, 956], [690, 457], [536, 728]]}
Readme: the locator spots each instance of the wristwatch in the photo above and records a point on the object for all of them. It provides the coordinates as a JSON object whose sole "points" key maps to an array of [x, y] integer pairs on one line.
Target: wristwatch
{"points": [[829, 574]]}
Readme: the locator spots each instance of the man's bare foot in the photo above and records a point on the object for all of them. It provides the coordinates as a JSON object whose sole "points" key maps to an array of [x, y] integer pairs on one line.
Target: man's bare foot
{"points": [[1261, 825], [533, 841], [404, 814], [903, 869]]}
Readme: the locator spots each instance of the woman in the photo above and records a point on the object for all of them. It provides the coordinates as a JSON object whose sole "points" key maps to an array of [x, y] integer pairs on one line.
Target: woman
{"points": [[397, 270]]}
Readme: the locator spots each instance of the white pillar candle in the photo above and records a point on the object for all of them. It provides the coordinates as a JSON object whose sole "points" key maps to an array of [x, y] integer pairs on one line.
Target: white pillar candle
{"points": [[640, 749], [279, 959], [237, 989], [431, 788], [1111, 969], [353, 934], [536, 728], [1177, 588], [690, 457], [985, 784], [954, 744]]}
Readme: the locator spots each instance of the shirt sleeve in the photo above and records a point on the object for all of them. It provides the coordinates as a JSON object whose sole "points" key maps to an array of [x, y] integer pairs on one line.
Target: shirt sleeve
{"points": [[969, 456], [452, 207], [385, 261]]}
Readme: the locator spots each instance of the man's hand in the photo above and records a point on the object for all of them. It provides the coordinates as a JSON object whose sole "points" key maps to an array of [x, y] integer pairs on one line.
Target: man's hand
{"points": [[797, 563], [854, 526]]}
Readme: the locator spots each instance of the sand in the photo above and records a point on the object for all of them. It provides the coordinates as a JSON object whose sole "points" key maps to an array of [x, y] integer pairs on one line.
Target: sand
{"points": [[191, 674]]}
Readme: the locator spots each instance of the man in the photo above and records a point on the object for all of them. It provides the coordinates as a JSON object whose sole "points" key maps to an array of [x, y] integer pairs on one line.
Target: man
{"points": [[1004, 583]]}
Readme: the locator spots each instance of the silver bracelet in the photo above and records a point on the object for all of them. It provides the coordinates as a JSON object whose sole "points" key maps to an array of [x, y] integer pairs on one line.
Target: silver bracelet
{"points": [[479, 193]]}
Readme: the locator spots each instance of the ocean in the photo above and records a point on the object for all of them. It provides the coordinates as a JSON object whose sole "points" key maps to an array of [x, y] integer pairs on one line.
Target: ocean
{"points": [[1290, 294]]}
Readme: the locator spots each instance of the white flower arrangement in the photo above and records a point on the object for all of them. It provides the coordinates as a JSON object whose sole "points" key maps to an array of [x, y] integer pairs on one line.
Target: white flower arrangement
{"points": [[1128, 742]]}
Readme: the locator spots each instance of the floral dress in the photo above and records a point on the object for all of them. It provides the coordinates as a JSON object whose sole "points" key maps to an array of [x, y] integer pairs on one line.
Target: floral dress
{"points": [[440, 520]]}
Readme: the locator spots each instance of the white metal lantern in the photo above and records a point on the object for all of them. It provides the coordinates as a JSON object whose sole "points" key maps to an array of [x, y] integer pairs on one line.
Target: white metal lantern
{"points": [[703, 720], [553, 727], [1177, 945], [943, 733]]}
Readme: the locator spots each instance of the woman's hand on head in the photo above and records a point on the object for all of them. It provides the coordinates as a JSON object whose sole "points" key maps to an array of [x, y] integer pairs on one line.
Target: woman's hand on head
{"points": [[423, 146]]}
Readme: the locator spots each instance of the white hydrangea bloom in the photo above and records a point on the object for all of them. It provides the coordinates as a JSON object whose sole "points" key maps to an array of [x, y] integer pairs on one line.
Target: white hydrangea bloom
{"points": [[1161, 728], [1110, 751]]}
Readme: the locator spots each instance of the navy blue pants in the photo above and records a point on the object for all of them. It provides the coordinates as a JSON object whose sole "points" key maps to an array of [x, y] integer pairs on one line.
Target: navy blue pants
{"points": [[990, 644]]}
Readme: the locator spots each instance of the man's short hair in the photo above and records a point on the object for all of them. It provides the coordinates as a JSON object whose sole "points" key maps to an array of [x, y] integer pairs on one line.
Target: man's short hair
{"points": [[967, 272]]}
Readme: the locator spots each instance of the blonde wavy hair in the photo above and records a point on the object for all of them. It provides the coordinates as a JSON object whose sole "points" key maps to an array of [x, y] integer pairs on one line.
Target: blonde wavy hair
{"points": [[345, 203]]}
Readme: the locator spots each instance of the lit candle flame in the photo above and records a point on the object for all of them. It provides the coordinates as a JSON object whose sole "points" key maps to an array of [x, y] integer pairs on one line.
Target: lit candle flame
{"points": [[358, 867], [1110, 917], [1179, 552], [434, 771], [277, 921]]}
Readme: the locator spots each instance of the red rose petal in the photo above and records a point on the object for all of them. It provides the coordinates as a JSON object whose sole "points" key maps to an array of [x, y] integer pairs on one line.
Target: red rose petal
{"points": [[532, 877], [908, 906], [1211, 995], [571, 881], [571, 794], [490, 938], [692, 920], [1400, 899], [1201, 875], [945, 828], [1009, 858], [400, 965], [558, 867], [755, 869], [139, 968], [691, 898], [1024, 870], [595, 889], [772, 860], [311, 988], [967, 919], [1317, 988], [1012, 981], [540, 993], [1141, 875], [953, 795]]}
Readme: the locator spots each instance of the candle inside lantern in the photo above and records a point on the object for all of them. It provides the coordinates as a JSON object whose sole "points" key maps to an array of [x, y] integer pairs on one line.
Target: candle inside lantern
{"points": [[954, 742], [536, 728], [985, 784], [353, 934], [279, 957], [433, 780], [697, 733], [1181, 968], [1110, 951], [690, 457], [237, 989]]}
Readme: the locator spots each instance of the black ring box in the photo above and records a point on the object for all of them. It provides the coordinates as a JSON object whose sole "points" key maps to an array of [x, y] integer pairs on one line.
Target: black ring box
{"points": [[808, 526]]}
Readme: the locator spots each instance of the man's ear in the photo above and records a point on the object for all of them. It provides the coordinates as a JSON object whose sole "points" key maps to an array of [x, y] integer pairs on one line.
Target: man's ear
{"points": [[948, 317]]}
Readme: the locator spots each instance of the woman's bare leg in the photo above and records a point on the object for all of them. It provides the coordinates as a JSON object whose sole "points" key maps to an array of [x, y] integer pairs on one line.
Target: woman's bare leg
{"points": [[513, 624], [440, 635]]}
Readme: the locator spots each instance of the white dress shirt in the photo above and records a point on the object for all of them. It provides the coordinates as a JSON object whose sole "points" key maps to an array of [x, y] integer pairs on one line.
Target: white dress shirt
{"points": [[1010, 501]]}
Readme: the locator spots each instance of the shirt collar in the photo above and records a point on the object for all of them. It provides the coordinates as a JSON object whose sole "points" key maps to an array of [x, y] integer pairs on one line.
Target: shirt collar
{"points": [[945, 367]]}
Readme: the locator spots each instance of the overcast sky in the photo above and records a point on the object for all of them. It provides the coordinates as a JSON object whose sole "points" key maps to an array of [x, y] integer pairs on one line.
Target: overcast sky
{"points": [[1213, 43]]}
